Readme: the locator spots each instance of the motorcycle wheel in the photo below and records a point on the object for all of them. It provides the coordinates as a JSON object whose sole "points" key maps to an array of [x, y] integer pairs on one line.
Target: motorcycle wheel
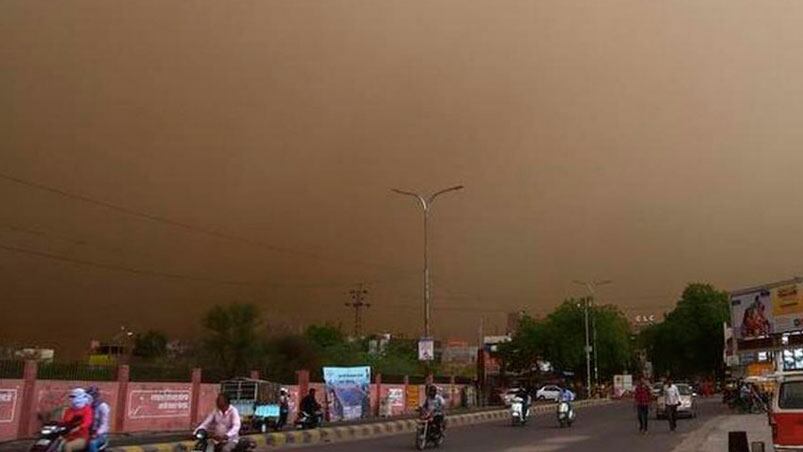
{"points": [[439, 441], [420, 442], [562, 423]]}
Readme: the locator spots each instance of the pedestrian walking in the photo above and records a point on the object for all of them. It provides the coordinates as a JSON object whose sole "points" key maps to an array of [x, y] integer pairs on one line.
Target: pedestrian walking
{"points": [[643, 398], [671, 400]]}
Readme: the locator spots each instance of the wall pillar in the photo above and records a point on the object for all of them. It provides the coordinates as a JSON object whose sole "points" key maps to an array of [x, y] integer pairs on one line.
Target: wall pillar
{"points": [[123, 377], [26, 426]]}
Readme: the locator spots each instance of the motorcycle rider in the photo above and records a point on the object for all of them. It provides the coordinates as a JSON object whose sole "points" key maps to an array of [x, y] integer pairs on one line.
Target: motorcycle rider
{"points": [[79, 412], [434, 406], [524, 395], [284, 408], [100, 420], [223, 423], [310, 405]]}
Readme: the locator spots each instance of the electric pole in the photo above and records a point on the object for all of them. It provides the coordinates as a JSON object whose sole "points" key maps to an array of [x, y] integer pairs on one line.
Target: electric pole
{"points": [[358, 303]]}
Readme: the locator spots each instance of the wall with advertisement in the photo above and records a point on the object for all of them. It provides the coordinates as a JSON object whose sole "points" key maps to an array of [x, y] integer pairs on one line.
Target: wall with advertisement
{"points": [[10, 396], [772, 309], [166, 405]]}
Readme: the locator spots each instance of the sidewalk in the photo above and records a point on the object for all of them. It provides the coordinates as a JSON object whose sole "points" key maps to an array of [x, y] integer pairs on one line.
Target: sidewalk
{"points": [[713, 435]]}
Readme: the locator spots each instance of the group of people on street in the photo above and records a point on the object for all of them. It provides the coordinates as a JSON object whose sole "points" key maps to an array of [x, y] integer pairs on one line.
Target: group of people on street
{"points": [[88, 416], [644, 399]]}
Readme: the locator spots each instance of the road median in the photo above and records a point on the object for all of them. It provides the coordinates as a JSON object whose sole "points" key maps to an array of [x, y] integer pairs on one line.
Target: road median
{"points": [[347, 433]]}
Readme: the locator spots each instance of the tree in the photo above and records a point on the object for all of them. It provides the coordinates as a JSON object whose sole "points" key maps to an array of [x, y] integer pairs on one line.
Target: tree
{"points": [[231, 337], [689, 341], [151, 345], [560, 339], [325, 336]]}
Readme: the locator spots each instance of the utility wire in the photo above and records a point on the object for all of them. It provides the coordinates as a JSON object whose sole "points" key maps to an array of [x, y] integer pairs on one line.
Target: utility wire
{"points": [[155, 273], [183, 225]]}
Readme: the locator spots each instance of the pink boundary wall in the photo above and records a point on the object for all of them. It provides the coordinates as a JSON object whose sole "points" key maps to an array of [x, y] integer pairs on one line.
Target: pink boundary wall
{"points": [[10, 408], [160, 406]]}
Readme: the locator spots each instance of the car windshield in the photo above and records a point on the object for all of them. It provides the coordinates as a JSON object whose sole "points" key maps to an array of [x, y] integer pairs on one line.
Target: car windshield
{"points": [[684, 390], [790, 395]]}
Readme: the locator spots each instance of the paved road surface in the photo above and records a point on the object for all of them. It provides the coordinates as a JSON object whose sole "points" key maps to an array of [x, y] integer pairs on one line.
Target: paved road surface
{"points": [[610, 428]]}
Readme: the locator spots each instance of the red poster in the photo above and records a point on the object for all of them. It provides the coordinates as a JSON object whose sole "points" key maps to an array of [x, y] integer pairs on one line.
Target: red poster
{"points": [[148, 404], [8, 404]]}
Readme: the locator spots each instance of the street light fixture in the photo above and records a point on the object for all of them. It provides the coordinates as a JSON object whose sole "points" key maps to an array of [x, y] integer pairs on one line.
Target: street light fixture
{"points": [[426, 205], [591, 287]]}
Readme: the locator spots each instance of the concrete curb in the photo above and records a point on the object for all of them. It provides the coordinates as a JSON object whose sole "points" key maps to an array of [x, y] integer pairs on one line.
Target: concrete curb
{"points": [[348, 433]]}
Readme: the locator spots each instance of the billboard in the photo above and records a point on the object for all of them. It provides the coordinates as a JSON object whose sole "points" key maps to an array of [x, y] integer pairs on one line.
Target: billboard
{"points": [[348, 392], [751, 314], [426, 349], [773, 309]]}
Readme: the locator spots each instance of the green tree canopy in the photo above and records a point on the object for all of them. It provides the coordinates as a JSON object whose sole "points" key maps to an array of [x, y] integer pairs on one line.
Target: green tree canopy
{"points": [[689, 341], [232, 337], [560, 339], [150, 345]]}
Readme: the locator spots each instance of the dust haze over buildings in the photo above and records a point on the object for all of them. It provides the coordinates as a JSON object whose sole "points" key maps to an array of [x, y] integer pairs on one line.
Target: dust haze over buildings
{"points": [[650, 143]]}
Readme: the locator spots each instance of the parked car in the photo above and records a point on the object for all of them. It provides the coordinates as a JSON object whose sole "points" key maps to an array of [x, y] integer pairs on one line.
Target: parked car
{"points": [[548, 392], [657, 389], [688, 403], [786, 413]]}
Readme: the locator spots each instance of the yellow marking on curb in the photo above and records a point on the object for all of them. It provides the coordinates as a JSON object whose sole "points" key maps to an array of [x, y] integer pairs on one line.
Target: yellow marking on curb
{"points": [[278, 439]]}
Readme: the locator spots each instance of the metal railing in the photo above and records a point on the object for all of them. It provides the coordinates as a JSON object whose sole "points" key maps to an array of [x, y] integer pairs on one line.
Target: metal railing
{"points": [[76, 372], [11, 368]]}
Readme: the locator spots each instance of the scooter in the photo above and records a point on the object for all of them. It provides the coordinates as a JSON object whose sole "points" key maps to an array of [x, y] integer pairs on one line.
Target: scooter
{"points": [[517, 414], [427, 432], [307, 421], [202, 441], [52, 437], [565, 414]]}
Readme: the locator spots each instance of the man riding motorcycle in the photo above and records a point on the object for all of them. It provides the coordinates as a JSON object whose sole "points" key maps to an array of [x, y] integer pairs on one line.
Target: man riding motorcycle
{"points": [[224, 423], [434, 405], [524, 395], [310, 406]]}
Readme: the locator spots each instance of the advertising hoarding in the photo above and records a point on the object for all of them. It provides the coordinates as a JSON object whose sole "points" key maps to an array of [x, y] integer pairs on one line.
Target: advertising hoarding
{"points": [[348, 391], [772, 309]]}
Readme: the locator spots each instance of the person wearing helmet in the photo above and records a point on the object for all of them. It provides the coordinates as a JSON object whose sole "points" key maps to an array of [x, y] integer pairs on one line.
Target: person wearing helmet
{"points": [[284, 408], [100, 420], [79, 416], [434, 405]]}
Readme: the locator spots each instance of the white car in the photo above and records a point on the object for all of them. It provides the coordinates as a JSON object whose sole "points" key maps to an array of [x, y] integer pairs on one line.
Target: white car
{"points": [[548, 392]]}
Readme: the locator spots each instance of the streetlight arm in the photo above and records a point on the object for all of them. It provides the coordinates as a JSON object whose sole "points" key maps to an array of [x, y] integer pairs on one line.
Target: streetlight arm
{"points": [[446, 190], [420, 198]]}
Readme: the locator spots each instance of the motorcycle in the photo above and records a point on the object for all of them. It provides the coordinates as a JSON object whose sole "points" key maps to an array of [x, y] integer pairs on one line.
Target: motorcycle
{"points": [[52, 437], [202, 441], [428, 432], [307, 421], [565, 414], [517, 414]]}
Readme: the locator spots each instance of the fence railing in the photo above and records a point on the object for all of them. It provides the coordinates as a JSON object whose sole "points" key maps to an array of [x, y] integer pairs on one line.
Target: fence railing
{"points": [[76, 371], [149, 373], [11, 368]]}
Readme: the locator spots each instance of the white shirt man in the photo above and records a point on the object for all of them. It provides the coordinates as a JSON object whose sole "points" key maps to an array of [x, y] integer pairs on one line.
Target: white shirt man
{"points": [[223, 424], [671, 394]]}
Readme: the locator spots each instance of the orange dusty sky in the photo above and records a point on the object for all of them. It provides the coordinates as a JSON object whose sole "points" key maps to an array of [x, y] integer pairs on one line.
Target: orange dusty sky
{"points": [[245, 151]]}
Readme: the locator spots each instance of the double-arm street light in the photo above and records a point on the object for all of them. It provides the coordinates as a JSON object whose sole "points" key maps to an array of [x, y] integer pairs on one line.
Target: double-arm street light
{"points": [[426, 205], [591, 287]]}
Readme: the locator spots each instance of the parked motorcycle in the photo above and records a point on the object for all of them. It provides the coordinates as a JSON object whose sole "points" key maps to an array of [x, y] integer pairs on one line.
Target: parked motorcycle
{"points": [[518, 416], [52, 437], [428, 432], [565, 414]]}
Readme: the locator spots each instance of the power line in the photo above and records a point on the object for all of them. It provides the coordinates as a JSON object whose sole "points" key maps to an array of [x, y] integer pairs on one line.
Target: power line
{"points": [[183, 225], [160, 274]]}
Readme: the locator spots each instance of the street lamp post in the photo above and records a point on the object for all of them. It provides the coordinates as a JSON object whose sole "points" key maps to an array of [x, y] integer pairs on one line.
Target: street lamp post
{"points": [[426, 205], [590, 286]]}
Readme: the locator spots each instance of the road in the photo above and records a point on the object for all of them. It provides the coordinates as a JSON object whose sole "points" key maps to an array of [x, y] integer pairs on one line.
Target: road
{"points": [[610, 428]]}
